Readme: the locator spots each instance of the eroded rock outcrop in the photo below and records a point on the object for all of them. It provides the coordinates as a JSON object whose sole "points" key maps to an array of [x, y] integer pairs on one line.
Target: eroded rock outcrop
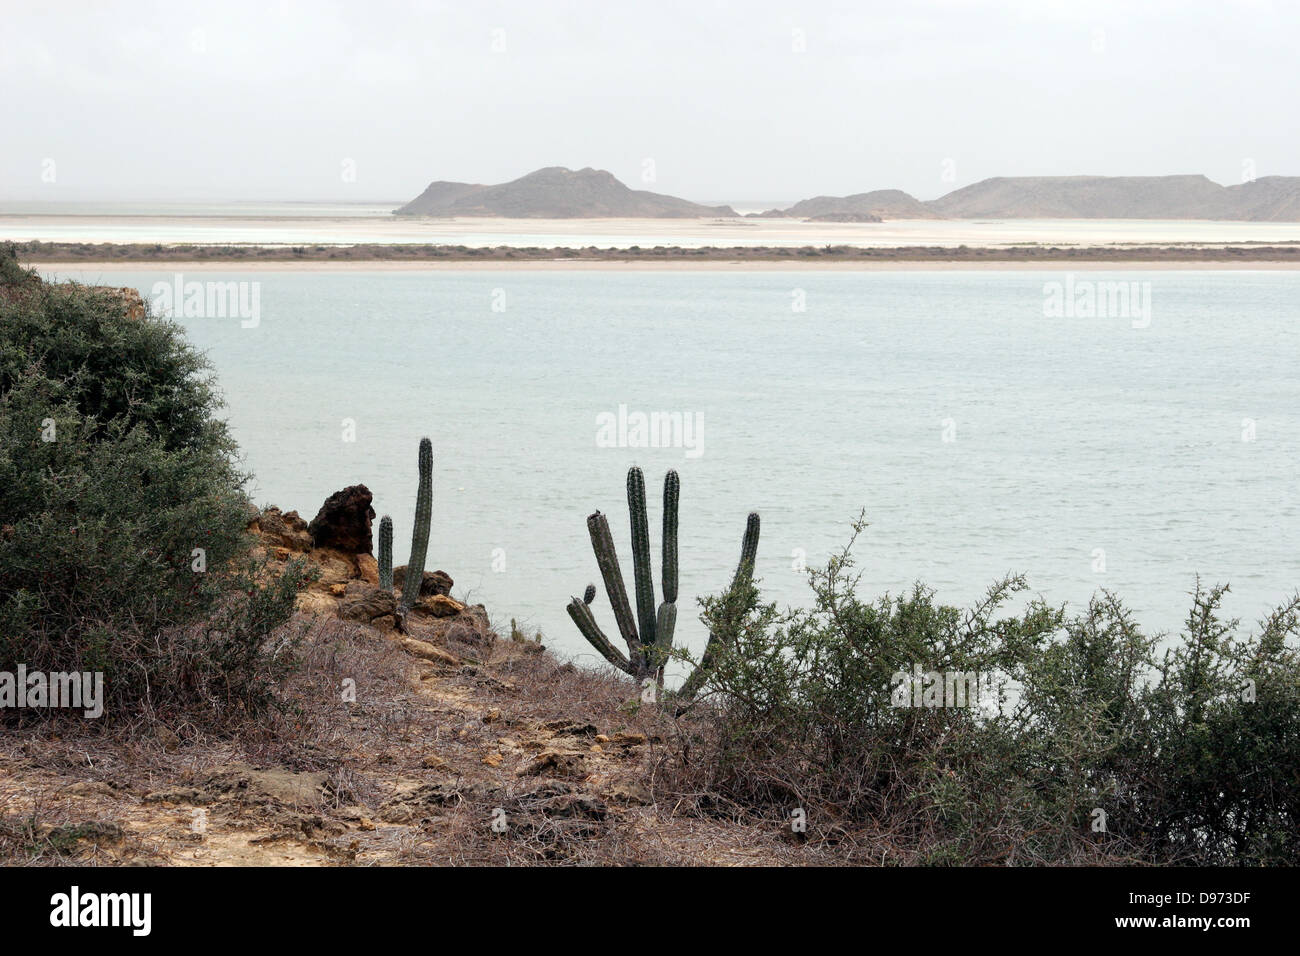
{"points": [[343, 521], [281, 530], [337, 543], [367, 604], [434, 582]]}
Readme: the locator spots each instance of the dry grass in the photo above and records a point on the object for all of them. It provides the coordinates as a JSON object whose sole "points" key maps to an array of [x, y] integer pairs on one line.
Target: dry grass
{"points": [[414, 772], [417, 770]]}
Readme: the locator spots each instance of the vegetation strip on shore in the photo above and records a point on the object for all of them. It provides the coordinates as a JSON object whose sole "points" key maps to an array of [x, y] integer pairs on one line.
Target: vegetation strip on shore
{"points": [[109, 252]]}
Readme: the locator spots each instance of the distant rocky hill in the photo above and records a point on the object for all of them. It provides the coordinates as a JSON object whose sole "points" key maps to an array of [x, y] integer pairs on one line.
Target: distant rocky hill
{"points": [[846, 217], [1275, 198], [881, 203], [1270, 199], [560, 193], [555, 193], [1083, 197]]}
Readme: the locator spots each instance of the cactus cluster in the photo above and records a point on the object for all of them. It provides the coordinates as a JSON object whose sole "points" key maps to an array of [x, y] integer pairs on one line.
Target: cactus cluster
{"points": [[419, 537], [649, 633]]}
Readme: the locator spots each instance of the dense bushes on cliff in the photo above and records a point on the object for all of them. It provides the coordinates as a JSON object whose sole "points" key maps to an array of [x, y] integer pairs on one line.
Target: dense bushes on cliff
{"points": [[122, 520], [1086, 739]]}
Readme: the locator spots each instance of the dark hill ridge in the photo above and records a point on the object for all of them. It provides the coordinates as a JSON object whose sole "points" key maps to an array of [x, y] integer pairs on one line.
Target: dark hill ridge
{"points": [[1275, 198], [883, 203], [1271, 199], [555, 193], [439, 195], [560, 193], [1084, 197]]}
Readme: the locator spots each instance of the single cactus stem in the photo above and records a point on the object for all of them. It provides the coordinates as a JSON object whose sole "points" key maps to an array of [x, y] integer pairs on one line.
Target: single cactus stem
{"points": [[589, 595], [665, 624], [748, 551], [386, 553], [721, 637], [642, 573], [602, 543], [582, 616], [672, 491], [420, 533]]}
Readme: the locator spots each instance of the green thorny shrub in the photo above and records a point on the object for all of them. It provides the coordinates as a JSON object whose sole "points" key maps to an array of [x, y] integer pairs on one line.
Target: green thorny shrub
{"points": [[123, 543], [1096, 742]]}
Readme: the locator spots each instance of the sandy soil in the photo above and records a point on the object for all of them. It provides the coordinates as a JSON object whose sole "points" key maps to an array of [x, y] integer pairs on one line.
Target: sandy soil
{"points": [[415, 772]]}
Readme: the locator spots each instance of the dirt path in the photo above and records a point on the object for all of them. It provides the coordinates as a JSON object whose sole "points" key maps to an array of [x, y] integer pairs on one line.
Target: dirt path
{"points": [[512, 760]]}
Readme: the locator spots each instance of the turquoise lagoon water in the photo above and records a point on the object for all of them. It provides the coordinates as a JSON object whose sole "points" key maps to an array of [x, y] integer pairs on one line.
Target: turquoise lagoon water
{"points": [[1073, 443]]}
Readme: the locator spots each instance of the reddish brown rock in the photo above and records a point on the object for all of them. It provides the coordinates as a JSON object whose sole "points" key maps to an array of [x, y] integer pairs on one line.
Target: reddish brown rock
{"points": [[335, 567], [366, 605], [439, 605], [435, 582], [287, 530], [343, 522]]}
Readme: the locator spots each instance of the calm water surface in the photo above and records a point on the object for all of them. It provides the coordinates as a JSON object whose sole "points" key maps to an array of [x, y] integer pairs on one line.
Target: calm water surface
{"points": [[1074, 440]]}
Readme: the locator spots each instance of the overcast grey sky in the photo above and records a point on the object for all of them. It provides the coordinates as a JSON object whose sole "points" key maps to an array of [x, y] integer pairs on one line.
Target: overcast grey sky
{"points": [[257, 99]]}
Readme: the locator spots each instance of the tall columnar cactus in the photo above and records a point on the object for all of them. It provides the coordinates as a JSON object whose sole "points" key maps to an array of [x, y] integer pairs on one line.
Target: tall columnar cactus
{"points": [[641, 571], [602, 543], [420, 533], [666, 619], [386, 553], [649, 647], [672, 491]]}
